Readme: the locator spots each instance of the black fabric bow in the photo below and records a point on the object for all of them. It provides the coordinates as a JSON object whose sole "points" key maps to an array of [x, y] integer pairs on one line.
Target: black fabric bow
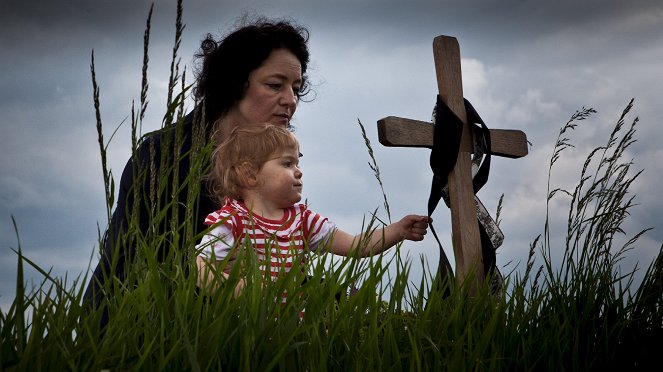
{"points": [[446, 144]]}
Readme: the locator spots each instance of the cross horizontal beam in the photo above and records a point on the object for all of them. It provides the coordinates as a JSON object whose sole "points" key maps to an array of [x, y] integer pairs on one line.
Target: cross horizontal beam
{"points": [[394, 131]]}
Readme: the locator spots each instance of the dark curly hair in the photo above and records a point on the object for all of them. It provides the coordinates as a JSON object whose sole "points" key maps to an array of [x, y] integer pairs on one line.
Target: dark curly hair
{"points": [[227, 63]]}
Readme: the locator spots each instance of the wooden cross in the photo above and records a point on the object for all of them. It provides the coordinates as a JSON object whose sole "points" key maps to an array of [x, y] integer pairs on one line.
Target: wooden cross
{"points": [[399, 132]]}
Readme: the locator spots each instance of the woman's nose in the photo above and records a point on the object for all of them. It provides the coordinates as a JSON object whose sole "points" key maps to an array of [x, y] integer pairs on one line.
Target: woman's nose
{"points": [[289, 98]]}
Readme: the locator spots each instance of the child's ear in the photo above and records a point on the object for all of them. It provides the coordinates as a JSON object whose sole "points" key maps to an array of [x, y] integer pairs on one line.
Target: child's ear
{"points": [[248, 175]]}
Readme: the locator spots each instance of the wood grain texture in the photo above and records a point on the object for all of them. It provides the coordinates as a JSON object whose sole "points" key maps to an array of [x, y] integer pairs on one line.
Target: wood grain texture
{"points": [[464, 225], [394, 131]]}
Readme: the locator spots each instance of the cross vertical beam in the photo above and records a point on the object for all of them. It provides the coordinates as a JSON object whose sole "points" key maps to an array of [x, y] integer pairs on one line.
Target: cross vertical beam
{"points": [[464, 225]]}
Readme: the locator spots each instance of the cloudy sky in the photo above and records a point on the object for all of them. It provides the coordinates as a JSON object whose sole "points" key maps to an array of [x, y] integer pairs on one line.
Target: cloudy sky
{"points": [[526, 65]]}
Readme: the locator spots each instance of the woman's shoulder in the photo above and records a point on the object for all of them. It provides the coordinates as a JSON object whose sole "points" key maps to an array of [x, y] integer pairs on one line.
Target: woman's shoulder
{"points": [[185, 123], [179, 132]]}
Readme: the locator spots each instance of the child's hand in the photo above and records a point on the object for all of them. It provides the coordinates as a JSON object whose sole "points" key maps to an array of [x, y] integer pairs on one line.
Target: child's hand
{"points": [[410, 227], [413, 227], [241, 284]]}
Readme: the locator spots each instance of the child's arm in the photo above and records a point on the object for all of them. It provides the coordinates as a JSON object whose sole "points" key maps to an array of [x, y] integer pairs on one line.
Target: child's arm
{"points": [[207, 269], [410, 227]]}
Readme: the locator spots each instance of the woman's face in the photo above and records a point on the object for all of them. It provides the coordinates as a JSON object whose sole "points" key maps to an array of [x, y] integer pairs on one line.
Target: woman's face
{"points": [[271, 92]]}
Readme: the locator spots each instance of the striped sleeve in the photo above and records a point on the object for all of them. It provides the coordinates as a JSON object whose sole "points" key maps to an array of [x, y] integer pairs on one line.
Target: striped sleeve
{"points": [[218, 242], [317, 229]]}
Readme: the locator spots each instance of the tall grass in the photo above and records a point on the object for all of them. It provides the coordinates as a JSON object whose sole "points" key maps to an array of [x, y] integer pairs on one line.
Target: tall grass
{"points": [[581, 314]]}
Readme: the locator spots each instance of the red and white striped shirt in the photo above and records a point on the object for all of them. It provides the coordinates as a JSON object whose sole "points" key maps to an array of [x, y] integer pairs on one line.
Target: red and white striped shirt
{"points": [[282, 242]]}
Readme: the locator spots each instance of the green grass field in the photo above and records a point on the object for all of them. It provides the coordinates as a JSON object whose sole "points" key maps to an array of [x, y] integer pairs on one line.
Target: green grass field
{"points": [[579, 315]]}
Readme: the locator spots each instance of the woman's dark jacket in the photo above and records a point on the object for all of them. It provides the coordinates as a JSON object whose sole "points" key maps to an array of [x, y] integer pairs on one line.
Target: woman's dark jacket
{"points": [[176, 149]]}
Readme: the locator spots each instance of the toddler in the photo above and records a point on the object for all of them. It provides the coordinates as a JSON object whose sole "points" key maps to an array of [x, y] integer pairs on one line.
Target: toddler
{"points": [[256, 177]]}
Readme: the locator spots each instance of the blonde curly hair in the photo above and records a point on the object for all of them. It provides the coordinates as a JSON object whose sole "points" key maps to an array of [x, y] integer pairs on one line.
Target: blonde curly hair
{"points": [[242, 154]]}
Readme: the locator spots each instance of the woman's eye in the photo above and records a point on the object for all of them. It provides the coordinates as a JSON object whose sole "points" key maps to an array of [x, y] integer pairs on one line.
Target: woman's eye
{"points": [[274, 86]]}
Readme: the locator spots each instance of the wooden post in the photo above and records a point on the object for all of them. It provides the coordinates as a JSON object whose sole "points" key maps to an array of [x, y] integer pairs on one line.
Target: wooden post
{"points": [[464, 225]]}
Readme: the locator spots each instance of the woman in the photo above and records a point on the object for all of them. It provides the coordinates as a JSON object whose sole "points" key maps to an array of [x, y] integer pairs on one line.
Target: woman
{"points": [[255, 74]]}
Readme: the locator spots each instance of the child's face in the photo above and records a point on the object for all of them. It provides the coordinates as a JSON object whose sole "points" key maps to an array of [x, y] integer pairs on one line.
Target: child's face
{"points": [[280, 179]]}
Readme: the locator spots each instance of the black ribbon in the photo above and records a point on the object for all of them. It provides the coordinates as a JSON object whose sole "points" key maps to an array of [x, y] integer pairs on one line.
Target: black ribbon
{"points": [[446, 144]]}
